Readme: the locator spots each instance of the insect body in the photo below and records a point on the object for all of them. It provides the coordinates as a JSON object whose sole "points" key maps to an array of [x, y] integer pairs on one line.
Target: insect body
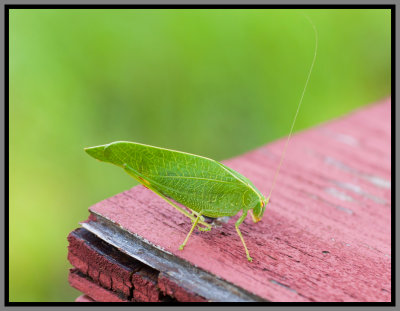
{"points": [[206, 187]]}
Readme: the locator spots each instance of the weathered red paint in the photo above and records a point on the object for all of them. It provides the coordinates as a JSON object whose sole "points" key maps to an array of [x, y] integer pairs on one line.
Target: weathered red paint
{"points": [[145, 284], [174, 290], [95, 291], [100, 264], [100, 267], [325, 236], [326, 233], [84, 298]]}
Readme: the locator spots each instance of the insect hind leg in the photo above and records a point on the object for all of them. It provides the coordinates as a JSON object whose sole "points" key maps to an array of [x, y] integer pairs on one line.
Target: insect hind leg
{"points": [[201, 228], [190, 232]]}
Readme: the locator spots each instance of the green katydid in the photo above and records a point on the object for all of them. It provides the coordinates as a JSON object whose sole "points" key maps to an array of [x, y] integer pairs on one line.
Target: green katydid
{"points": [[206, 187]]}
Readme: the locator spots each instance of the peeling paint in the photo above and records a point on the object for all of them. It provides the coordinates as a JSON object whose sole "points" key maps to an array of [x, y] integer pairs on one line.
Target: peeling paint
{"points": [[358, 190], [338, 194], [380, 182], [283, 285], [344, 138], [341, 208], [377, 181], [347, 139], [344, 209], [189, 277]]}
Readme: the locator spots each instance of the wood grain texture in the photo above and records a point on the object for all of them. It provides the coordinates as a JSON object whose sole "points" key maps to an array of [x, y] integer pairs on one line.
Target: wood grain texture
{"points": [[325, 235], [101, 263], [93, 290], [102, 268]]}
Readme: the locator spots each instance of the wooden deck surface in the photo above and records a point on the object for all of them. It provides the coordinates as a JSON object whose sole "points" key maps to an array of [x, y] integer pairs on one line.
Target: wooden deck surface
{"points": [[326, 233]]}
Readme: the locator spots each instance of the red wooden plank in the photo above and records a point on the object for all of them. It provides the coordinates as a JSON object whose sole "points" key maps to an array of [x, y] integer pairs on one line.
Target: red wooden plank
{"points": [[95, 291], [174, 290], [84, 298], [101, 265], [326, 233]]}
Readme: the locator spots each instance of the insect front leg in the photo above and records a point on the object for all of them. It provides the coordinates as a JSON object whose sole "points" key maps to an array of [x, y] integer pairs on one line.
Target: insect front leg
{"points": [[237, 224], [190, 232]]}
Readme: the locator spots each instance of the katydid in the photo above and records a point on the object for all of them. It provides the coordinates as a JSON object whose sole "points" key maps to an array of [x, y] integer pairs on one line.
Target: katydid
{"points": [[206, 187]]}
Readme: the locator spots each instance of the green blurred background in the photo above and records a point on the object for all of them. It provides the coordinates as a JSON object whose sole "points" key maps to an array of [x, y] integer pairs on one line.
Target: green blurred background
{"points": [[212, 82]]}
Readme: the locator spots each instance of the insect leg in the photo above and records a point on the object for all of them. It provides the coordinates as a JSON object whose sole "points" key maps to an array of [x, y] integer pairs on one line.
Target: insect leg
{"points": [[202, 219], [203, 228], [190, 232], [197, 214], [133, 174], [237, 224]]}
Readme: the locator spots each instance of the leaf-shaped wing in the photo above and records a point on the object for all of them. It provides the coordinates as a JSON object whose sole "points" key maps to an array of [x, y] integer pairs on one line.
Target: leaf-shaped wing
{"points": [[199, 183]]}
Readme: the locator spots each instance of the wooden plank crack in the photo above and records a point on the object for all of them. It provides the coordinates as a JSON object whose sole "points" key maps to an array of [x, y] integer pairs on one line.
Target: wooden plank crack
{"points": [[188, 276]]}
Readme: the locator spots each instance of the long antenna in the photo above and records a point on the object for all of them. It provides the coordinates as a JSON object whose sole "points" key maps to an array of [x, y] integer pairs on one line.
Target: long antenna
{"points": [[298, 108]]}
